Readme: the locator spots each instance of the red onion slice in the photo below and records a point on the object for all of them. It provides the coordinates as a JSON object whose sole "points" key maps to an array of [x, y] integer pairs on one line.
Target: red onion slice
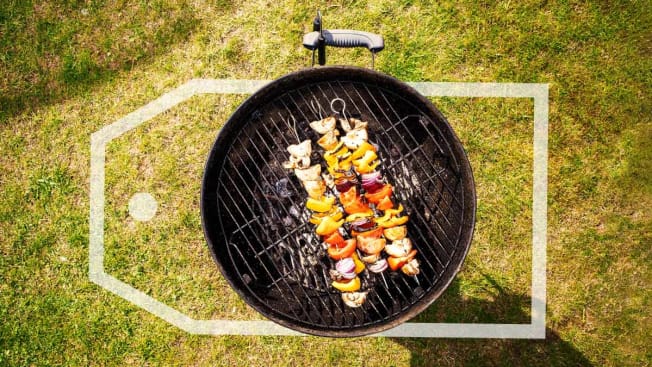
{"points": [[378, 266], [362, 225], [372, 176], [372, 187], [346, 265], [349, 275], [371, 182]]}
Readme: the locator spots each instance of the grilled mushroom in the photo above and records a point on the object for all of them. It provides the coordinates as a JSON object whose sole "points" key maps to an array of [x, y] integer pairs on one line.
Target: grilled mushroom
{"points": [[324, 126], [370, 259], [302, 149], [329, 140], [411, 268], [399, 248], [313, 173], [354, 299], [297, 162], [357, 124], [355, 138]]}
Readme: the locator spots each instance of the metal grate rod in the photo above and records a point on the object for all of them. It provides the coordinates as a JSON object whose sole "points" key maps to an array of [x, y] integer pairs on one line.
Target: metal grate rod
{"points": [[402, 197], [289, 287]]}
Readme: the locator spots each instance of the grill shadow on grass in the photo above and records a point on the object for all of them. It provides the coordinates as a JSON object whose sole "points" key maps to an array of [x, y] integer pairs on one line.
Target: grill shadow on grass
{"points": [[507, 308]]}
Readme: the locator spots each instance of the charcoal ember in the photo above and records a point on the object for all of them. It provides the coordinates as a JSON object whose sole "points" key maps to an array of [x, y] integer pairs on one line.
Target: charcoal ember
{"points": [[282, 189], [288, 221], [294, 211]]}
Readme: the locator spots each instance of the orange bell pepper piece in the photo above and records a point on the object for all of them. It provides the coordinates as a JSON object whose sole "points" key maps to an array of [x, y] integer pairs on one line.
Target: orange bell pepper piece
{"points": [[338, 253], [357, 207], [334, 239], [348, 196], [385, 203], [396, 263], [352, 202], [377, 196]]}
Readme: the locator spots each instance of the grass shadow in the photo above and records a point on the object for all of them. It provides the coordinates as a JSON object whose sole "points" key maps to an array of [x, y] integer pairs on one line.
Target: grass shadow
{"points": [[52, 51], [507, 308]]}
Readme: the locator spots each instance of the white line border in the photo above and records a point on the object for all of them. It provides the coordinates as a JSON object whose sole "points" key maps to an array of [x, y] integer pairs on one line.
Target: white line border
{"points": [[535, 330]]}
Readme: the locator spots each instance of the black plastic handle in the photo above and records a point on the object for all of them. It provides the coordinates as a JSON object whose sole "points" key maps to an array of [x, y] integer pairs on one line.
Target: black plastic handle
{"points": [[345, 38]]}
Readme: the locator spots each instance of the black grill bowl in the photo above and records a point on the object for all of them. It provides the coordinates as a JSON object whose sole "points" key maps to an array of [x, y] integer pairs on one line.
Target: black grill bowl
{"points": [[255, 221]]}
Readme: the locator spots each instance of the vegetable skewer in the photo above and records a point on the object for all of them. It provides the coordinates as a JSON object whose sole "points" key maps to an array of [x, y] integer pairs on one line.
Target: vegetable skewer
{"points": [[327, 217], [366, 219], [355, 151]]}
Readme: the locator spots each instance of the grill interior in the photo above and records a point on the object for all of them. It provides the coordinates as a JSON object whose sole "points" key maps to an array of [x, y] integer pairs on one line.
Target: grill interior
{"points": [[268, 249]]}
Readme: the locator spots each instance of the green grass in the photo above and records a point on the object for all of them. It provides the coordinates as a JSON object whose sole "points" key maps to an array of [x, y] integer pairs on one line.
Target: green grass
{"points": [[68, 69]]}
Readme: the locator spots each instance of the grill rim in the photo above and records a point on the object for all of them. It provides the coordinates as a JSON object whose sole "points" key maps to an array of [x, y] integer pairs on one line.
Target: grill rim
{"points": [[232, 128]]}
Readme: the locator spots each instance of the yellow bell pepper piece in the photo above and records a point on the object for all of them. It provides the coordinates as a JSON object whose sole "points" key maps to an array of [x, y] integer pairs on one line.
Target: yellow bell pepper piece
{"points": [[367, 168], [389, 214], [395, 211], [328, 225], [346, 158], [334, 213], [330, 161], [339, 170], [320, 206], [359, 265], [396, 221], [368, 157], [344, 165], [350, 286], [362, 150], [355, 216], [335, 170], [332, 156]]}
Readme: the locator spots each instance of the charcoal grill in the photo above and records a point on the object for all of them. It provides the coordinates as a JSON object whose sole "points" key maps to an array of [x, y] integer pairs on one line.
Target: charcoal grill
{"points": [[253, 210]]}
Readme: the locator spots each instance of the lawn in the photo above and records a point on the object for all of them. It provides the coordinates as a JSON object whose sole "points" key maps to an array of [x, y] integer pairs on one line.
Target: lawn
{"points": [[68, 69]]}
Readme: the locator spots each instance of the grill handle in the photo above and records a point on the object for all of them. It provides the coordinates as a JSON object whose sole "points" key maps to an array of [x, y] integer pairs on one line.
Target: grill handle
{"points": [[320, 38], [345, 38]]}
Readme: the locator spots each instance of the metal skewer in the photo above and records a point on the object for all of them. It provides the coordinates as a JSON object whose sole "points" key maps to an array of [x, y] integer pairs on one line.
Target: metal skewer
{"points": [[382, 276]]}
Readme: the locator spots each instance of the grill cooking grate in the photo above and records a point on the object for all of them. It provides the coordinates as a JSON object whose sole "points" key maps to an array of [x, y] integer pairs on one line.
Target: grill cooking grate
{"points": [[270, 243]]}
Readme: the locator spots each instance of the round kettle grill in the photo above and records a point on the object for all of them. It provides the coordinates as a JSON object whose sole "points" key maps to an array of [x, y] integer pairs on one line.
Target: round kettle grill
{"points": [[253, 210]]}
